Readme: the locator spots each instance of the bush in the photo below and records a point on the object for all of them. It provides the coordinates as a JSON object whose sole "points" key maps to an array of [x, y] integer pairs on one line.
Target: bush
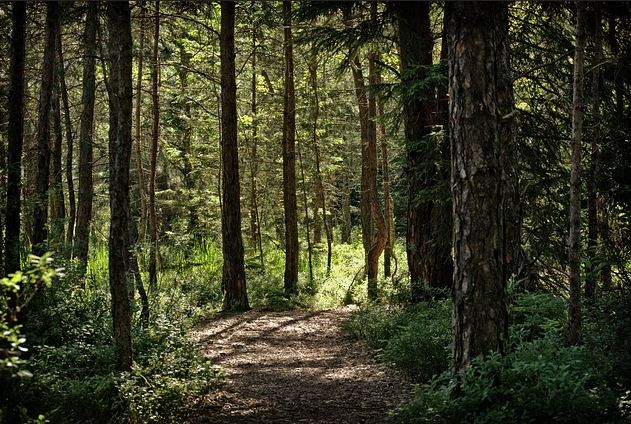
{"points": [[539, 382], [416, 339], [535, 315]]}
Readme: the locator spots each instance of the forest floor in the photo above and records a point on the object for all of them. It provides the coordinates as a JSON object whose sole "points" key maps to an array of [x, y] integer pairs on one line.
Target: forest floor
{"points": [[296, 367]]}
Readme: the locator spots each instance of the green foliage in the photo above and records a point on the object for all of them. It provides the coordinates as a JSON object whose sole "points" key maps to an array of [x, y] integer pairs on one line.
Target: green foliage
{"points": [[416, 339], [73, 362], [534, 315], [541, 381], [169, 373]]}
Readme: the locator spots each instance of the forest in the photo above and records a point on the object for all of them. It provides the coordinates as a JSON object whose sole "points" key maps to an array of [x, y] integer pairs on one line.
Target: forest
{"points": [[315, 212]]}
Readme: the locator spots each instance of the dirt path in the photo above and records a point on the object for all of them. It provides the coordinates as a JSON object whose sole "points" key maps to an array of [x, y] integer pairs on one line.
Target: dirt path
{"points": [[296, 367]]}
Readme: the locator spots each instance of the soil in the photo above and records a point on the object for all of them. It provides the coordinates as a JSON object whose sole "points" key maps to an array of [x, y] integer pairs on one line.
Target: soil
{"points": [[296, 367]]}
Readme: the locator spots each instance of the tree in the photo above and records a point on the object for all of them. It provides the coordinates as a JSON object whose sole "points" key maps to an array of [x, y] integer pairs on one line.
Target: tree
{"points": [[289, 160], [15, 135], [233, 280], [574, 239], [72, 204], [57, 203], [86, 189], [40, 208], [155, 134], [428, 254], [120, 141], [480, 103]]}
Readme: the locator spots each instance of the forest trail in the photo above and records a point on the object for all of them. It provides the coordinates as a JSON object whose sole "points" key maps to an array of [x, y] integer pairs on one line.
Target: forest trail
{"points": [[296, 367]]}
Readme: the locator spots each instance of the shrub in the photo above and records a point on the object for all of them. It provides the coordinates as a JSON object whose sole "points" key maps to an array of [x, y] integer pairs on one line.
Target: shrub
{"points": [[416, 339], [540, 381]]}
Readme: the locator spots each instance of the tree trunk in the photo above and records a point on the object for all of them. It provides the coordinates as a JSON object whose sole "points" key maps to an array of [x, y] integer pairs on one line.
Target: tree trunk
{"points": [[387, 196], [480, 102], [289, 161], [428, 248], [379, 233], [233, 281], [140, 170], [120, 141], [40, 208], [155, 129], [57, 205], [255, 224], [594, 169], [72, 207], [307, 229], [574, 253], [362, 103], [320, 194], [86, 189]]}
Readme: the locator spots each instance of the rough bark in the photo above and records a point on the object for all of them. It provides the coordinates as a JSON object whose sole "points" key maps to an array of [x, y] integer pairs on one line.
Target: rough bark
{"points": [[593, 250], [40, 207], [289, 160], [233, 280], [120, 142], [153, 160], [306, 207], [480, 97], [86, 189], [72, 204], [574, 239]]}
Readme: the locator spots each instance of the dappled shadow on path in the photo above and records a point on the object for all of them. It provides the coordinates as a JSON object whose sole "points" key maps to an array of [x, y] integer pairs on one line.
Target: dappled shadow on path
{"points": [[296, 367]]}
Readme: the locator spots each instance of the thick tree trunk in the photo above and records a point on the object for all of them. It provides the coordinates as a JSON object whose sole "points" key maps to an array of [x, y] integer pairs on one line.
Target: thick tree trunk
{"points": [[140, 170], [86, 189], [289, 161], [233, 281], [155, 133], [40, 208], [594, 169], [120, 142], [57, 204], [480, 102], [72, 206], [574, 240], [427, 246]]}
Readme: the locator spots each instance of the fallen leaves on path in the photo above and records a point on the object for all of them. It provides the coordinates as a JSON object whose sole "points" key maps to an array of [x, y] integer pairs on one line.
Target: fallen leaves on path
{"points": [[296, 367]]}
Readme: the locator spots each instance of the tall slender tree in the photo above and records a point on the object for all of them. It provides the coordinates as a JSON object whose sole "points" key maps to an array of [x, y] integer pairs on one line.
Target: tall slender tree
{"points": [[72, 203], [40, 208], [233, 280], [86, 189], [594, 163], [480, 103], [15, 132], [574, 240], [57, 202], [120, 142], [289, 160], [153, 160]]}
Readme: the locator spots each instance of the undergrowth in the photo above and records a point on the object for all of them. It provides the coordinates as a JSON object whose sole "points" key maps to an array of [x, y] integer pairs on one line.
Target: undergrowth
{"points": [[539, 379]]}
